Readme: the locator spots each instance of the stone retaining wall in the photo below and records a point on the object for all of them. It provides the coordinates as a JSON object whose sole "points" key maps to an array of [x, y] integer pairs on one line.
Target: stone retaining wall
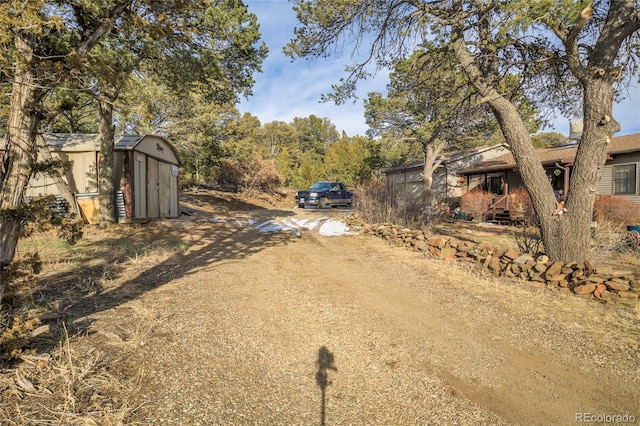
{"points": [[583, 279]]}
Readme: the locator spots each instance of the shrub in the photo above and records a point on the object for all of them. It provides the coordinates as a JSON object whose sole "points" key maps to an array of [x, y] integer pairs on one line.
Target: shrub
{"points": [[373, 202], [606, 237], [376, 204], [521, 207], [528, 240], [257, 174], [475, 204], [612, 215], [408, 210], [618, 210]]}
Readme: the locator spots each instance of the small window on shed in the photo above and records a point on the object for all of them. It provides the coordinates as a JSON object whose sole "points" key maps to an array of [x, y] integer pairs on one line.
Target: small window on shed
{"points": [[624, 179]]}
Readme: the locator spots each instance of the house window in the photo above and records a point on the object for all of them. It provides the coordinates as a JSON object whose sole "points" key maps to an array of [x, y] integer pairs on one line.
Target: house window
{"points": [[624, 179]]}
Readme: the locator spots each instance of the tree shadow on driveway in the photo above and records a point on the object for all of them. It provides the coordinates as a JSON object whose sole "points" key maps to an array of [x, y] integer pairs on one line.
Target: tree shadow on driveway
{"points": [[115, 260]]}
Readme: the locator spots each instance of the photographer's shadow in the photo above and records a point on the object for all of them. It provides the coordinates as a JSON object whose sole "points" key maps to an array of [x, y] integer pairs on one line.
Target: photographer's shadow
{"points": [[325, 363]]}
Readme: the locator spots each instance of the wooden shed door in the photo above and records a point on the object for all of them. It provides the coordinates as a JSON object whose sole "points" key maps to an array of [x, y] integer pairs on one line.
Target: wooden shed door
{"points": [[153, 188], [160, 186], [164, 190]]}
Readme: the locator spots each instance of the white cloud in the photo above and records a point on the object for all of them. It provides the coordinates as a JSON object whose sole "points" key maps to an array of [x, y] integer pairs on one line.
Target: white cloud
{"points": [[286, 89]]}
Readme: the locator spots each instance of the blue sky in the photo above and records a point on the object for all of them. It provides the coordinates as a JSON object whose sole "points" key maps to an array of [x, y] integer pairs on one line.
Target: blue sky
{"points": [[287, 89]]}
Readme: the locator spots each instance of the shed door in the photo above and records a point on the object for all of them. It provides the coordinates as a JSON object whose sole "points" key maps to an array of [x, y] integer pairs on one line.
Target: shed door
{"points": [[164, 179], [153, 188]]}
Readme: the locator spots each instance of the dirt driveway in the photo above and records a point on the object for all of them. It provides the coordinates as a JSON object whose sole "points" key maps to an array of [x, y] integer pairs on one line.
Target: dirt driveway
{"points": [[271, 328], [298, 328]]}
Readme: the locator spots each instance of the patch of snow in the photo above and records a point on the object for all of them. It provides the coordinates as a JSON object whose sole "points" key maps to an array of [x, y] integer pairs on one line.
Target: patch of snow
{"points": [[325, 225], [272, 226], [265, 223], [304, 223], [217, 220], [332, 228]]}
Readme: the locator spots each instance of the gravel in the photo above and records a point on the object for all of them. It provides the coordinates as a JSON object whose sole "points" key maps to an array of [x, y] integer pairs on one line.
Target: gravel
{"points": [[246, 332]]}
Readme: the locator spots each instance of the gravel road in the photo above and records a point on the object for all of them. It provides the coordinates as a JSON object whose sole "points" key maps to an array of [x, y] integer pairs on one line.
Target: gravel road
{"points": [[277, 329]]}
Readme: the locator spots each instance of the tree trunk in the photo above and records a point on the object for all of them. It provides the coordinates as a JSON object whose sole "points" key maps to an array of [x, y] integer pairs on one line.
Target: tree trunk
{"points": [[431, 152], [565, 236], [27, 94], [535, 180], [20, 155], [106, 188], [591, 156]]}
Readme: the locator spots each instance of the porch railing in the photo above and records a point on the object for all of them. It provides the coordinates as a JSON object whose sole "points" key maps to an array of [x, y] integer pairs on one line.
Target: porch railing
{"points": [[499, 204]]}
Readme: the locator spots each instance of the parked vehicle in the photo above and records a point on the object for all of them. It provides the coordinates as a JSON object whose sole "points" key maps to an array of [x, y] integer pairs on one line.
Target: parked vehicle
{"points": [[323, 194]]}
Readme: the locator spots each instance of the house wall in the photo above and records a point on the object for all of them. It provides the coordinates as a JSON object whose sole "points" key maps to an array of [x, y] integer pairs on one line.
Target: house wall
{"points": [[514, 180], [456, 187], [405, 183], [473, 182], [606, 182], [447, 185]]}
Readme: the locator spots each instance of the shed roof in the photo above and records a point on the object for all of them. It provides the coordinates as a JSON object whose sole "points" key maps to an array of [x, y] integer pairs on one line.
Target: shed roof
{"points": [[91, 142], [549, 156], [72, 141]]}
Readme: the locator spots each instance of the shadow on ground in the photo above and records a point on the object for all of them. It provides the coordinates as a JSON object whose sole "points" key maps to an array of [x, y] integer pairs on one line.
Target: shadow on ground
{"points": [[325, 364], [184, 248]]}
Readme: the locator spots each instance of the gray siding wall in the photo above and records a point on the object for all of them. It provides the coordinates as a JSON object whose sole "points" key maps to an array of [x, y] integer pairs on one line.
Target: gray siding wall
{"points": [[606, 183]]}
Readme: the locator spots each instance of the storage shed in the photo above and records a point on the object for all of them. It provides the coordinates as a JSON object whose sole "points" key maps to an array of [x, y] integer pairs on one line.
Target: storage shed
{"points": [[146, 169]]}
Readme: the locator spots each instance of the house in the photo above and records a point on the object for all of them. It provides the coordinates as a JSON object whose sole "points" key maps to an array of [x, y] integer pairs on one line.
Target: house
{"points": [[620, 176], [145, 174], [447, 184]]}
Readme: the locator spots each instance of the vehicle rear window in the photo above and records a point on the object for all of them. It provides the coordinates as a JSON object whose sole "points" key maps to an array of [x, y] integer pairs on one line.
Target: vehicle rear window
{"points": [[320, 185]]}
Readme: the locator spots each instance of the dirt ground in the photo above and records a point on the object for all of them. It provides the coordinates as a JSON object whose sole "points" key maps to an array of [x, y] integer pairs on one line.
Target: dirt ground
{"points": [[206, 320]]}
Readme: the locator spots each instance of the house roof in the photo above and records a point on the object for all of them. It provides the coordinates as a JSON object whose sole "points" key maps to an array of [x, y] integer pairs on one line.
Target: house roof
{"points": [[550, 156], [449, 157]]}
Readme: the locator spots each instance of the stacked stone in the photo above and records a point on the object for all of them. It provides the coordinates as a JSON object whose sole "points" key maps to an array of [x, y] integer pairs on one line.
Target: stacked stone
{"points": [[582, 279]]}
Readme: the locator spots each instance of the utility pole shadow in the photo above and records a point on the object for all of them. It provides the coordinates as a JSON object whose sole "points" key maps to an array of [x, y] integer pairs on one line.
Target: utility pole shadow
{"points": [[325, 363]]}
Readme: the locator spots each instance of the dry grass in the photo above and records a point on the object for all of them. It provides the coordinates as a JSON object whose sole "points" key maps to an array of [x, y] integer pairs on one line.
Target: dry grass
{"points": [[74, 382], [70, 386], [135, 328], [607, 248], [616, 209], [43, 382], [376, 205]]}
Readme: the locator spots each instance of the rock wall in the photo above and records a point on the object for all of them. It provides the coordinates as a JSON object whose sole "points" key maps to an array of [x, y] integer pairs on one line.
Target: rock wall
{"points": [[583, 279]]}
